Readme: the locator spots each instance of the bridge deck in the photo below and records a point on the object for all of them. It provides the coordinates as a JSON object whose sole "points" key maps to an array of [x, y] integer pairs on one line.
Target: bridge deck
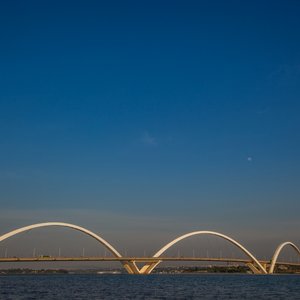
{"points": [[136, 259]]}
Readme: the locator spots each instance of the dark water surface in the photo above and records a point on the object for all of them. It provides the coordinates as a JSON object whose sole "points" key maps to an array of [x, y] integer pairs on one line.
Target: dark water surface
{"points": [[150, 287]]}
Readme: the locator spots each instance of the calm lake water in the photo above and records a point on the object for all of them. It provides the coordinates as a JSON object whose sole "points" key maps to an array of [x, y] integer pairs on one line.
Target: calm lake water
{"points": [[150, 287]]}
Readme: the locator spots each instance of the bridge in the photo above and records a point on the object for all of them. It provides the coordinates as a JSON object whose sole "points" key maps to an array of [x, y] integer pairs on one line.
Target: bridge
{"points": [[150, 263]]}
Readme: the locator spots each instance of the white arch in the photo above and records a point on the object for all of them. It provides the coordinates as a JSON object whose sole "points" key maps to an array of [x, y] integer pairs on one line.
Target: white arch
{"points": [[277, 252], [163, 249], [129, 266], [88, 232]]}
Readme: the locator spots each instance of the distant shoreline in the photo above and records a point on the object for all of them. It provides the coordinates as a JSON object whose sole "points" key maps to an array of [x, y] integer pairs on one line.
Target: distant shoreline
{"points": [[228, 270]]}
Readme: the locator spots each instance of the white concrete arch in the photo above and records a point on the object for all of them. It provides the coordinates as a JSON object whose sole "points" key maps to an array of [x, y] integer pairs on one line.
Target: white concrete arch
{"points": [[278, 251], [148, 269], [129, 266], [78, 228]]}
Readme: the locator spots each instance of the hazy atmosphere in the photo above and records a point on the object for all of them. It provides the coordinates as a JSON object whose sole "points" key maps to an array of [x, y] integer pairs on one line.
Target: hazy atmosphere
{"points": [[144, 120]]}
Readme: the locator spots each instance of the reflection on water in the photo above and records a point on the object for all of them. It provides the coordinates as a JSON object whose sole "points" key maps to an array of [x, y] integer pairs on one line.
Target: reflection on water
{"points": [[150, 287]]}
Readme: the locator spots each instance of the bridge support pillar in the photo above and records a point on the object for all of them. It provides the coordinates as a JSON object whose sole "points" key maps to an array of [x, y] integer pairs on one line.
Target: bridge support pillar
{"points": [[254, 269], [148, 268], [131, 267]]}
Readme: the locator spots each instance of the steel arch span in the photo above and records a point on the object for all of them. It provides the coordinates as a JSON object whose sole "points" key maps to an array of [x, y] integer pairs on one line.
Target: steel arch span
{"points": [[127, 265], [278, 251], [147, 269]]}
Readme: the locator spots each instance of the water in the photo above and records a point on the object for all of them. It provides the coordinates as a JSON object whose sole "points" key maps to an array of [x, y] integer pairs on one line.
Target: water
{"points": [[149, 287]]}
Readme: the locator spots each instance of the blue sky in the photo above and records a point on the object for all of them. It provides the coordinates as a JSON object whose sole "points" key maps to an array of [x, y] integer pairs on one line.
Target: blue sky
{"points": [[183, 110]]}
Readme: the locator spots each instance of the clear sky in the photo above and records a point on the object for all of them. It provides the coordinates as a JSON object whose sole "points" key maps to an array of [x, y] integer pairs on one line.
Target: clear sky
{"points": [[161, 115]]}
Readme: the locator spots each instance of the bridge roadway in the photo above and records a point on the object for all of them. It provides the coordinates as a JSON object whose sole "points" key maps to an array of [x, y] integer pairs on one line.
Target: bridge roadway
{"points": [[138, 259]]}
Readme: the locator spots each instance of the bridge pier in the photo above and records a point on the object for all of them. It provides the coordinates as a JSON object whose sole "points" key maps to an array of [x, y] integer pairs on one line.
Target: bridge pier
{"points": [[148, 268], [131, 267], [254, 269]]}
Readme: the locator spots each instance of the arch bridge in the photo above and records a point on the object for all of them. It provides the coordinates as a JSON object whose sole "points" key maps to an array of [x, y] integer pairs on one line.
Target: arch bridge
{"points": [[130, 263]]}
